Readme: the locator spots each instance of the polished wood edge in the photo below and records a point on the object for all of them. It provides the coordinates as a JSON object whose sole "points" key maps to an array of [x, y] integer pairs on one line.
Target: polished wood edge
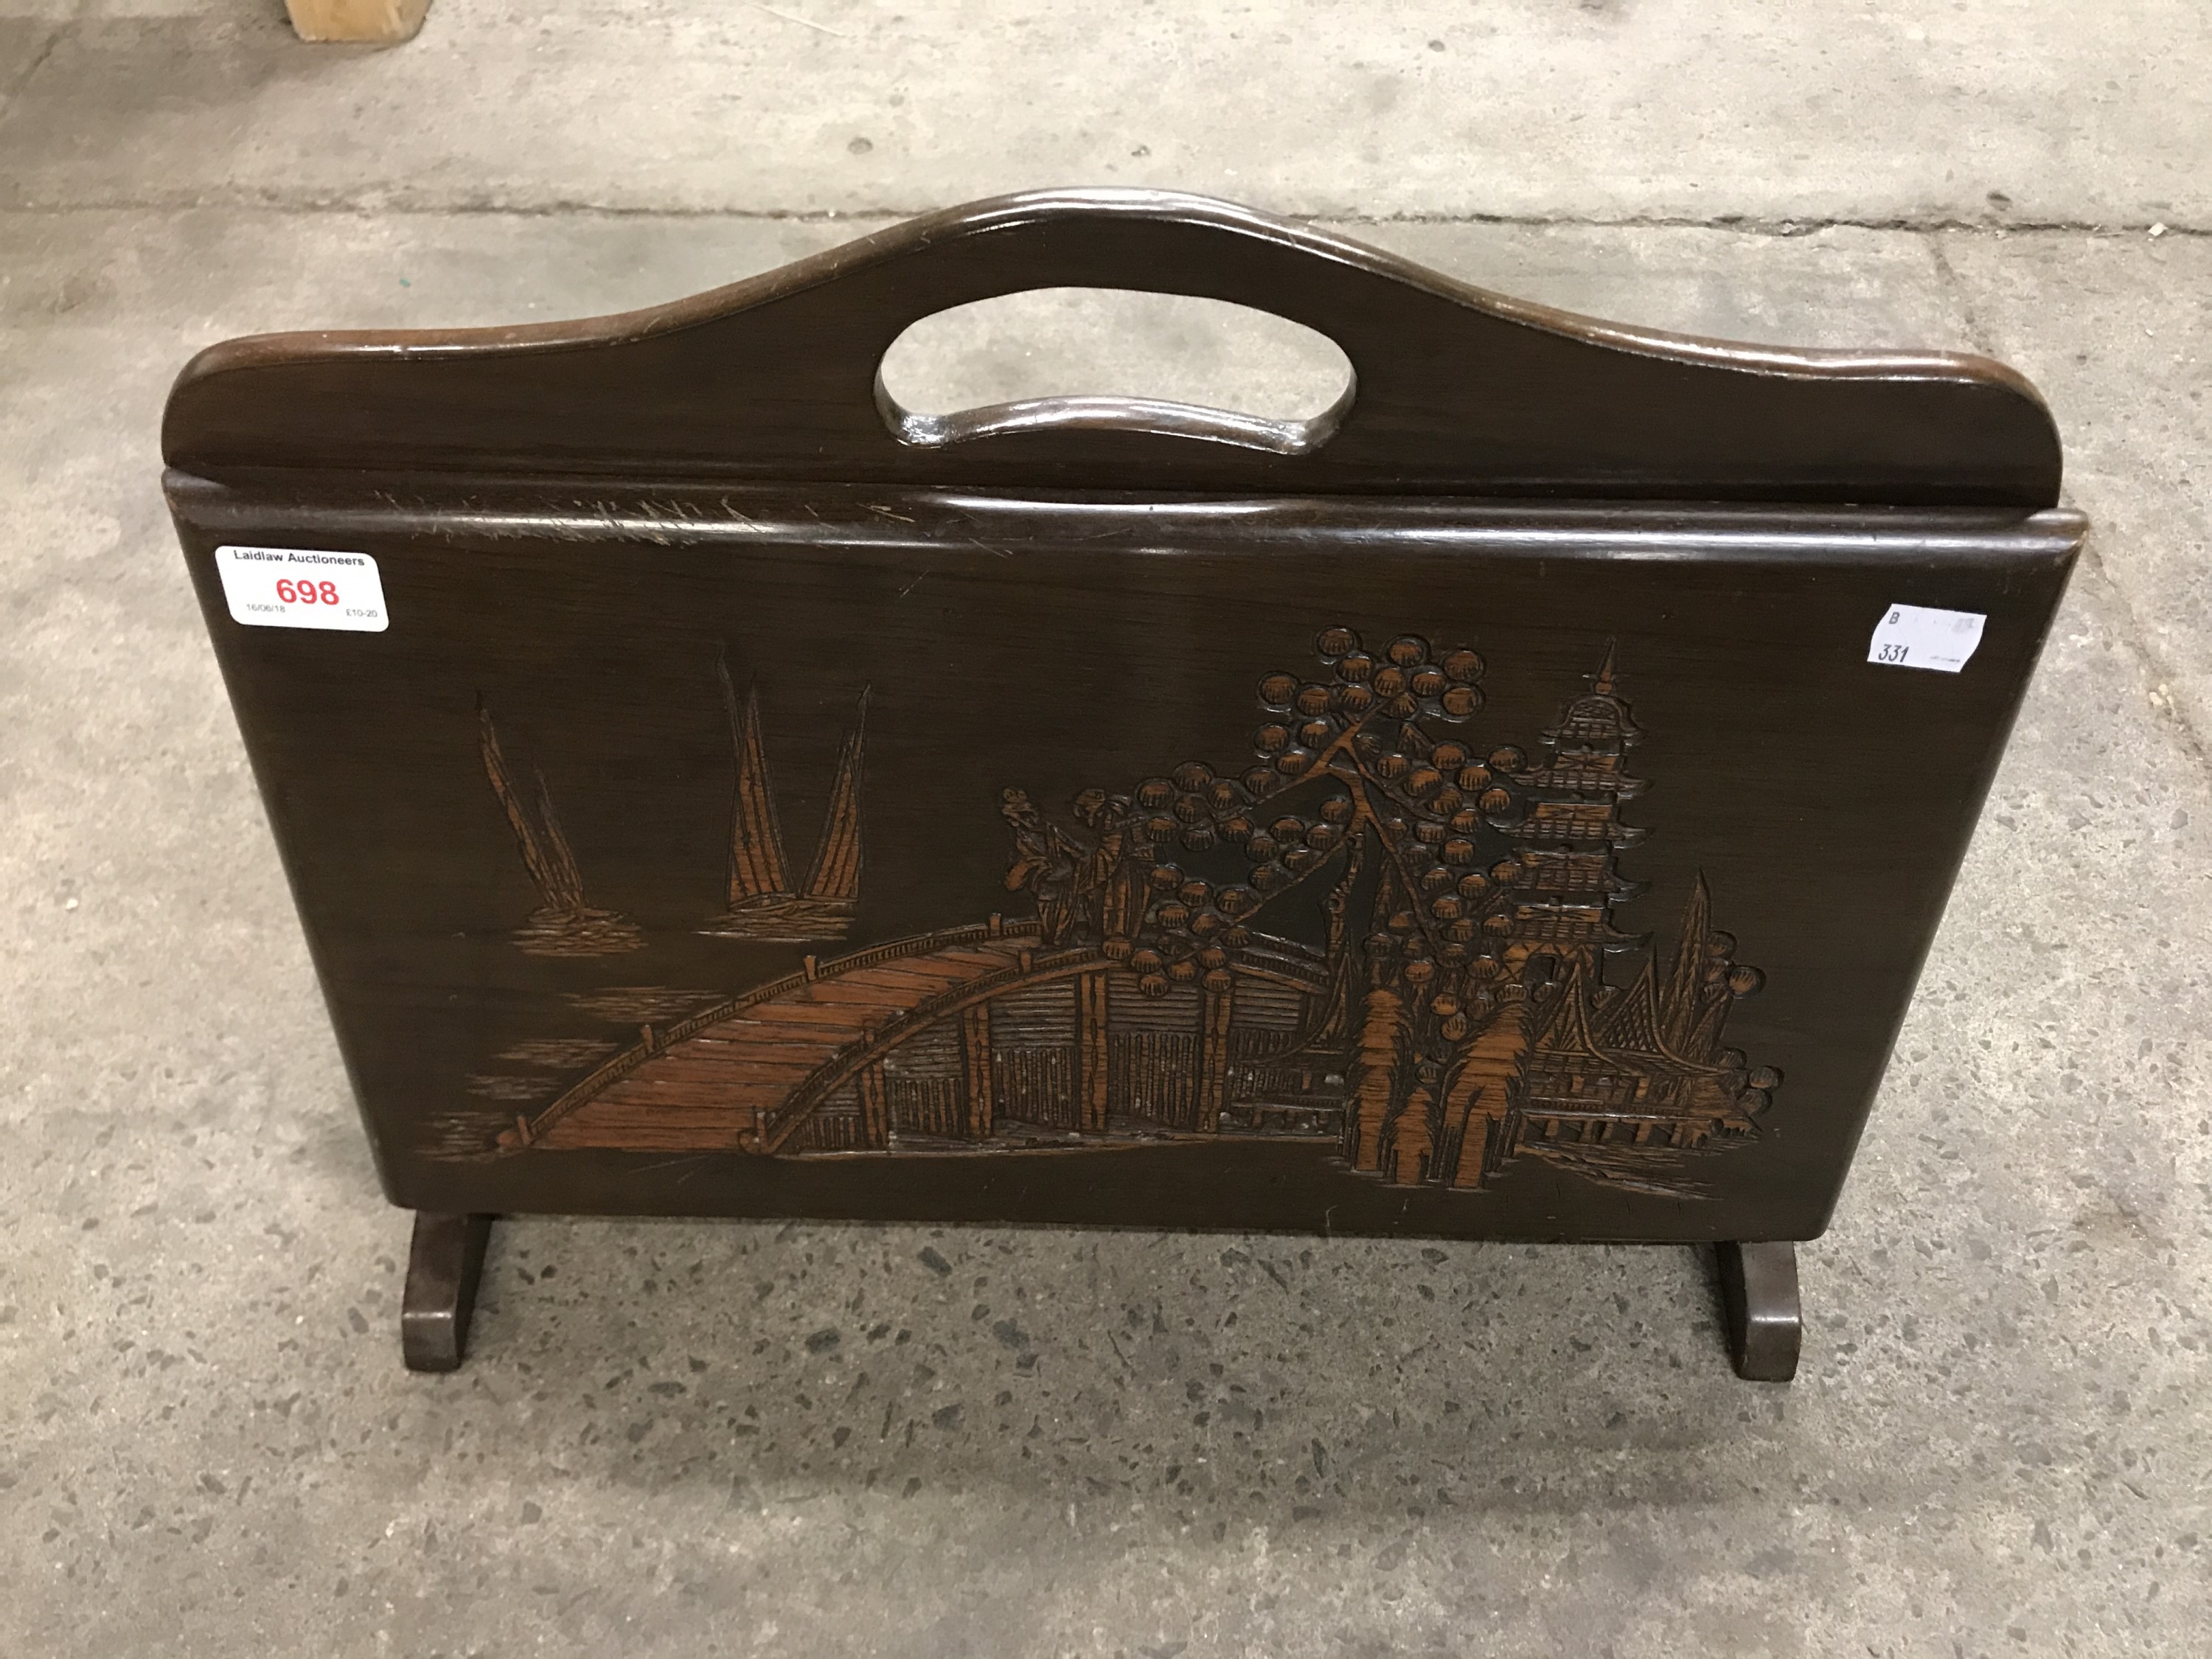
{"points": [[1089, 414], [996, 215], [999, 215], [445, 1262], [1760, 1304], [467, 506]]}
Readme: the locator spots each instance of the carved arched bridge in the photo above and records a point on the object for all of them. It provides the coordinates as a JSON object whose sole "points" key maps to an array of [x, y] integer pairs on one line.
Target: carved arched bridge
{"points": [[969, 1035]]}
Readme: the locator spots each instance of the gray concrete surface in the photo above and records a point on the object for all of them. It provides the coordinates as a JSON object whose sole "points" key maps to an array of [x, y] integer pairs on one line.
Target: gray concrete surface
{"points": [[1632, 109], [680, 1440]]}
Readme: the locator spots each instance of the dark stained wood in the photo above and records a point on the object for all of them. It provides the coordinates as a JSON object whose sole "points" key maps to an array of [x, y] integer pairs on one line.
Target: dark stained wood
{"points": [[1457, 391], [763, 804], [1760, 1302], [1822, 802], [444, 1263]]}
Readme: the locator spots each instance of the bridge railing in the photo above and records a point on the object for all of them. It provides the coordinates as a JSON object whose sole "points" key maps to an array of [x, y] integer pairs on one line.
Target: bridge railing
{"points": [[657, 1040], [781, 1121], [921, 944]]}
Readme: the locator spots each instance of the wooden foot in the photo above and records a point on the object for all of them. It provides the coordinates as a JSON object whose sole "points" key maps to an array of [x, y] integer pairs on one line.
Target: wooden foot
{"points": [[443, 1266], [389, 22], [1758, 1297]]}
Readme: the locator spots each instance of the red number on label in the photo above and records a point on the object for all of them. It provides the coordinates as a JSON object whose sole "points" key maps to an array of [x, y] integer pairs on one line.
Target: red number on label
{"points": [[306, 592]]}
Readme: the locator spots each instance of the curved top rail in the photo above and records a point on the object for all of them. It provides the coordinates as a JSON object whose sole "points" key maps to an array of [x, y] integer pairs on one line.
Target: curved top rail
{"points": [[1457, 391]]}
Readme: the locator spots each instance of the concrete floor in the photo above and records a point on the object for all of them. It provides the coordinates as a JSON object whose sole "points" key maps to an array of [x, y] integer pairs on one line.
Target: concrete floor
{"points": [[679, 1439]]}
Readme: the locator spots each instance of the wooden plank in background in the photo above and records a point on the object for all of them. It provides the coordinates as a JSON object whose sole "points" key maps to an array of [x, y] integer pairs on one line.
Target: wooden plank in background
{"points": [[387, 20]]}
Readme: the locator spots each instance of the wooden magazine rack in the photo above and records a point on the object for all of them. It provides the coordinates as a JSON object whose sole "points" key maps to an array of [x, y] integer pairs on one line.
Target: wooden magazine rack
{"points": [[1514, 804]]}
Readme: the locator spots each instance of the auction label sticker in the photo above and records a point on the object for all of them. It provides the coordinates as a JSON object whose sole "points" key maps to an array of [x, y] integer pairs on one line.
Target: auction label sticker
{"points": [[1914, 636], [301, 588]]}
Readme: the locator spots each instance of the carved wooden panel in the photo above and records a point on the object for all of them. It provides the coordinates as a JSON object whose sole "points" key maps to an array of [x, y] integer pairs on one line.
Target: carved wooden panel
{"points": [[1089, 816]]}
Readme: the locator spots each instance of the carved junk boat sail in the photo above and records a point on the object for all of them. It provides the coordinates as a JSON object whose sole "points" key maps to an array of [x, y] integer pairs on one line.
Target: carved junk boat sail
{"points": [[762, 904], [564, 924]]}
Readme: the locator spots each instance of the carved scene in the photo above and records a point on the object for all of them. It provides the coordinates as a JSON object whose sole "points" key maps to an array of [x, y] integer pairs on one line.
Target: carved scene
{"points": [[763, 903], [1470, 1001], [563, 924]]}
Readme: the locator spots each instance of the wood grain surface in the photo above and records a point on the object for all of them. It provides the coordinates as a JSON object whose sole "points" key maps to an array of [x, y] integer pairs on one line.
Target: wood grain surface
{"points": [[1455, 390], [1095, 812]]}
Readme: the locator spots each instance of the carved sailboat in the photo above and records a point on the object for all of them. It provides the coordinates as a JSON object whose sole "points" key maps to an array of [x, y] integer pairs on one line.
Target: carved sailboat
{"points": [[564, 925], [762, 904]]}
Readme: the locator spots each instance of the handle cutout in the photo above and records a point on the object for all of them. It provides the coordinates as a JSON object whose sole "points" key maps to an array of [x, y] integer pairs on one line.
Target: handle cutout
{"points": [[1101, 359]]}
